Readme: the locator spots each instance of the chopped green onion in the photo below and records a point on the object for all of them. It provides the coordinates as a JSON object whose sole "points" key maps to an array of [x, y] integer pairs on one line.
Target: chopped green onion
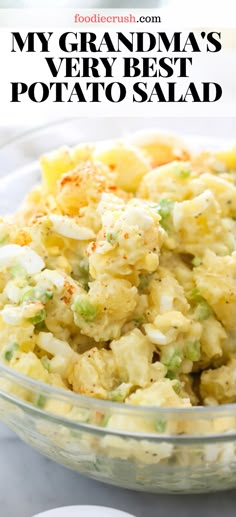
{"points": [[38, 318], [112, 237], [28, 295], [31, 294], [192, 351], [183, 171], [85, 309], [46, 363], [203, 311], [197, 261], [82, 273], [160, 425], [16, 271], [84, 284], [177, 386], [40, 326], [195, 294], [116, 396], [9, 352], [165, 209], [171, 358], [143, 281], [139, 320], [48, 295], [41, 401], [105, 421], [171, 375]]}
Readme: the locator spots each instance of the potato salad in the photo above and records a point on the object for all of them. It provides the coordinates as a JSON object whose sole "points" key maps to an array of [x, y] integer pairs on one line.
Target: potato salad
{"points": [[118, 274]]}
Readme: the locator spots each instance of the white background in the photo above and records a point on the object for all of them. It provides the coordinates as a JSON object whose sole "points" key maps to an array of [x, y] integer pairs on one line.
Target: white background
{"points": [[31, 67]]}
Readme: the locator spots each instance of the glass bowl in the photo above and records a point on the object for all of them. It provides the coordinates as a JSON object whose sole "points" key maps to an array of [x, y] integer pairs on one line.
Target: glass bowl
{"points": [[161, 450]]}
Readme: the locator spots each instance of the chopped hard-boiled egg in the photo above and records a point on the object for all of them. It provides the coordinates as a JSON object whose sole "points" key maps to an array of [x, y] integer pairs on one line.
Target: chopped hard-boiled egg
{"points": [[13, 254], [64, 225]]}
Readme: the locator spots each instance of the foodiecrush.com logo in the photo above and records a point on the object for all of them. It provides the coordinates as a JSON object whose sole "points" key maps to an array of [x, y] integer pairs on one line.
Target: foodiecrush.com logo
{"points": [[126, 18]]}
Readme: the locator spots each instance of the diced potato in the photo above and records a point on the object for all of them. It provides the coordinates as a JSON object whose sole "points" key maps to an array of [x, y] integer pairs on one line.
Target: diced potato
{"points": [[224, 192], [216, 283], [219, 384], [126, 349], [82, 186], [198, 225], [160, 394], [102, 312], [128, 164], [170, 181], [161, 148], [95, 373], [56, 163], [228, 158], [29, 364]]}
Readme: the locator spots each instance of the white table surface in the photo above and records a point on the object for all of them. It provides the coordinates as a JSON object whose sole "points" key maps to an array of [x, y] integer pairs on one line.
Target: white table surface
{"points": [[30, 483]]}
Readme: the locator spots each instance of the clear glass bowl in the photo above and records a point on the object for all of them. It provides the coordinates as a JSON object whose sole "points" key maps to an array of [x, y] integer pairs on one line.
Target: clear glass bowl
{"points": [[150, 449]]}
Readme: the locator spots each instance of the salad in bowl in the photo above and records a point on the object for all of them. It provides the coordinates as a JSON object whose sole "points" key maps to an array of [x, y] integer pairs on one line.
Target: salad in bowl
{"points": [[118, 299]]}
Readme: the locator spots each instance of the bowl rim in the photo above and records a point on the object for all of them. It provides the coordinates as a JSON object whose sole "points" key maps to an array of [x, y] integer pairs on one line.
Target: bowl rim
{"points": [[156, 437], [95, 403]]}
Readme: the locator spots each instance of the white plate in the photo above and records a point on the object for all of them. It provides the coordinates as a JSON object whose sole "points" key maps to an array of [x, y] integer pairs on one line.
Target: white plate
{"points": [[84, 511]]}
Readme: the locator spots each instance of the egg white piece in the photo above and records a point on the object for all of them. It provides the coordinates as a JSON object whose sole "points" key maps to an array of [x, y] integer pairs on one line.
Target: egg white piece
{"points": [[13, 292], [155, 335], [14, 315], [13, 254], [136, 216], [194, 207], [67, 227], [54, 346], [166, 303], [55, 278]]}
